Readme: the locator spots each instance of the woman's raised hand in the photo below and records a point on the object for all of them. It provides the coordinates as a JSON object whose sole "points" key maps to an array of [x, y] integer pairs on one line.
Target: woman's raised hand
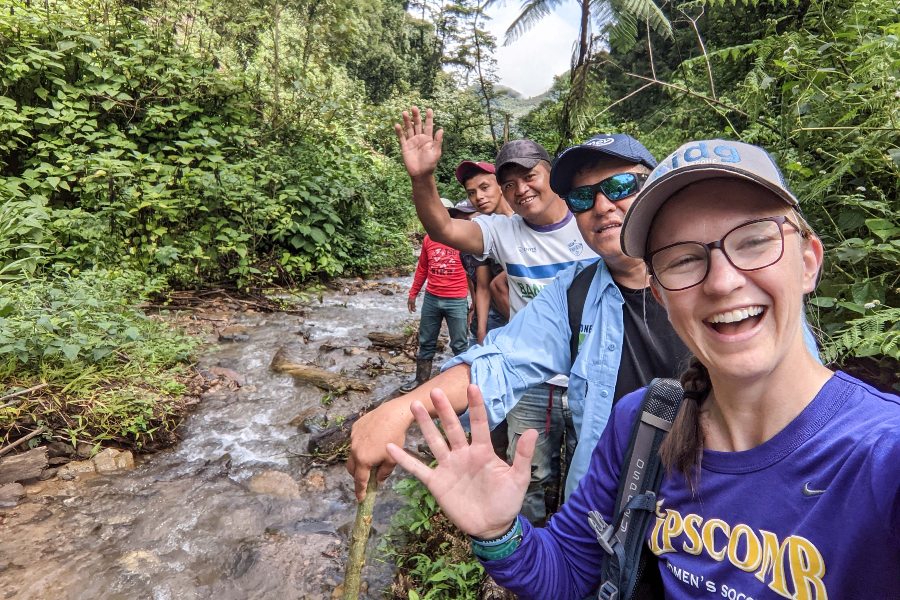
{"points": [[477, 490]]}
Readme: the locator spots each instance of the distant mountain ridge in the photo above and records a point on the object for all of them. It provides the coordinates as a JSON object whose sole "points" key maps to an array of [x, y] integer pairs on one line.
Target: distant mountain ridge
{"points": [[512, 102]]}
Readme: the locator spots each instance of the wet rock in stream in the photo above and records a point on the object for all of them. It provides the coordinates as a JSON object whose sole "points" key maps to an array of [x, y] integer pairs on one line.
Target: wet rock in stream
{"points": [[11, 494], [274, 483], [233, 334]]}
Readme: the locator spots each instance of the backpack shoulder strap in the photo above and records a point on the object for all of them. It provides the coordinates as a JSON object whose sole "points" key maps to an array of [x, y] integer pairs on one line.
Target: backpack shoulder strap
{"points": [[639, 482], [575, 296]]}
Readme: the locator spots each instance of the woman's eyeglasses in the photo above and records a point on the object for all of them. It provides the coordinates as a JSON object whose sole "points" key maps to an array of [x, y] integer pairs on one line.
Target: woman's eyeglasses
{"points": [[618, 187], [750, 246]]}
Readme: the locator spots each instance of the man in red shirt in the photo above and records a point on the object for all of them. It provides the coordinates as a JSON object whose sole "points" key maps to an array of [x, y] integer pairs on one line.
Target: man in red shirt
{"points": [[446, 298]]}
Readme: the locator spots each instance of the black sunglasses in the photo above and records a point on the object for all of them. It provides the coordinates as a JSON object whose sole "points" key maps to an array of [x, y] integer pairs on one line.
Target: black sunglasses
{"points": [[617, 187]]}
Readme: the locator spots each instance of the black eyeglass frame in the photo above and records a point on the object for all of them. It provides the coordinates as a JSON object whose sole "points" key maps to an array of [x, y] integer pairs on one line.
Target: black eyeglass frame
{"points": [[640, 179], [780, 220]]}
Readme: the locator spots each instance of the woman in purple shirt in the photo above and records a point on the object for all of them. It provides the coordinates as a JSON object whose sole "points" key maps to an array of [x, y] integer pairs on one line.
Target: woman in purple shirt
{"points": [[781, 475]]}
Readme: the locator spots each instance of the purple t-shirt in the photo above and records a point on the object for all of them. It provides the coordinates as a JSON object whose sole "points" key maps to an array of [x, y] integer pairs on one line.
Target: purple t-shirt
{"points": [[812, 513]]}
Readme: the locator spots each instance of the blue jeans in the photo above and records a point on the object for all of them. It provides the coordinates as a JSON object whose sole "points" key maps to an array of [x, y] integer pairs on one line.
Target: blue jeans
{"points": [[434, 309], [494, 321], [547, 470]]}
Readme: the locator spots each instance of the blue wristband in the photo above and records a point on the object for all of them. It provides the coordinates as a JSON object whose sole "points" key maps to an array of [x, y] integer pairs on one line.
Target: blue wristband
{"points": [[500, 547]]}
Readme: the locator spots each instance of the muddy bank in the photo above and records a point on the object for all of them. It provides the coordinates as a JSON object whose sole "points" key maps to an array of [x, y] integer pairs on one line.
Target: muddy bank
{"points": [[238, 509]]}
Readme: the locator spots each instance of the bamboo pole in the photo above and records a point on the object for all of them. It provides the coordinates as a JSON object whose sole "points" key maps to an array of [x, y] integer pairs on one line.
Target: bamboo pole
{"points": [[358, 539], [21, 393], [21, 441]]}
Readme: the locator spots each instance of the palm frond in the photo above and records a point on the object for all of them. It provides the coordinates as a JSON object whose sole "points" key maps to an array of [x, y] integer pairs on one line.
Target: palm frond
{"points": [[532, 12]]}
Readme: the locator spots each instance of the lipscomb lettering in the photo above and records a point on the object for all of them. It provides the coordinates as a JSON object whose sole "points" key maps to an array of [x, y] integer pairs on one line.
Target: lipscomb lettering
{"points": [[697, 154], [792, 567]]}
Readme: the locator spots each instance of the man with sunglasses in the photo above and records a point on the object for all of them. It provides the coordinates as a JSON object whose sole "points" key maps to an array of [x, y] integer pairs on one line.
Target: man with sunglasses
{"points": [[624, 338]]}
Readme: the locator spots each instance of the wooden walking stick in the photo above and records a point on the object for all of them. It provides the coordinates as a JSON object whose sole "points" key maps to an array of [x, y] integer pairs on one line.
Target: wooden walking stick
{"points": [[358, 539]]}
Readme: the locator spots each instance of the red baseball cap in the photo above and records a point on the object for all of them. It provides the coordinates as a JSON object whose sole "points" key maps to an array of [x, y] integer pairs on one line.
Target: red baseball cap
{"points": [[468, 168]]}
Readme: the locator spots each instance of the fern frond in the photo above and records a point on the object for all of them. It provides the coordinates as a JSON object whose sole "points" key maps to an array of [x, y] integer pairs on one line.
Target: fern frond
{"points": [[648, 11], [623, 33], [869, 335]]}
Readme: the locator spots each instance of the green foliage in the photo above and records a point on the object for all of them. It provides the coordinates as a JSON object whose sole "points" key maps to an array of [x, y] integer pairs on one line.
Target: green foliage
{"points": [[433, 556], [80, 323], [112, 372], [824, 98], [22, 222], [145, 146]]}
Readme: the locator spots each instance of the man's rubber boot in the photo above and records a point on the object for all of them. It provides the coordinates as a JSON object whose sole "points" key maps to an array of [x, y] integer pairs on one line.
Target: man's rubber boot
{"points": [[423, 374]]}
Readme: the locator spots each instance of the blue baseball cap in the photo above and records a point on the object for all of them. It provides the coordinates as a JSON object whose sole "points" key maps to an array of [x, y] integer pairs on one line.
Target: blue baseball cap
{"points": [[615, 145], [693, 162]]}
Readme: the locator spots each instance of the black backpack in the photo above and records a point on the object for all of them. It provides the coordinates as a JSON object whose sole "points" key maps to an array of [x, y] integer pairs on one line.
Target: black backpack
{"points": [[629, 569], [625, 573]]}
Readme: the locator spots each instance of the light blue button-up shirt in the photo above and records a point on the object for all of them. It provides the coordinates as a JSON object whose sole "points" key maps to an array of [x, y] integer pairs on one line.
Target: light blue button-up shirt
{"points": [[534, 347]]}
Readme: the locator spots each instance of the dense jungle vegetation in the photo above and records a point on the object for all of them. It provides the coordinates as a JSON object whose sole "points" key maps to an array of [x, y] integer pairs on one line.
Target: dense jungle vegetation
{"points": [[150, 145]]}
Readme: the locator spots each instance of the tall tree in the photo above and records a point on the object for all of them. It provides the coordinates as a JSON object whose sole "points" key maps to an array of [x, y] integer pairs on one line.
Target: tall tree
{"points": [[616, 20]]}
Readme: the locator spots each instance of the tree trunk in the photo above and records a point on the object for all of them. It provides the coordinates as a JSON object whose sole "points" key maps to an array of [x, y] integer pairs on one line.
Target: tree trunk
{"points": [[390, 341], [276, 63], [332, 382]]}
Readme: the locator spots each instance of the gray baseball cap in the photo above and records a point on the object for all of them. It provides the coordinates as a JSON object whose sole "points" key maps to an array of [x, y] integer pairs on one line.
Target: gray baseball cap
{"points": [[693, 162], [525, 153]]}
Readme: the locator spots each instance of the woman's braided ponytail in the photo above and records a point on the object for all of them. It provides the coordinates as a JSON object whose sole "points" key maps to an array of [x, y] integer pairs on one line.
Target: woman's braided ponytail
{"points": [[683, 447]]}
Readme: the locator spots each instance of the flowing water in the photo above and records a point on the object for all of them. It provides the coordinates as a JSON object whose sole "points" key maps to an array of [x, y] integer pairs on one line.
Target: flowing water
{"points": [[233, 511]]}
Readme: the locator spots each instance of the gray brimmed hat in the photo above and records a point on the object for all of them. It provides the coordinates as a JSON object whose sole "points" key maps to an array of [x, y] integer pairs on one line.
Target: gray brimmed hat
{"points": [[525, 153], [693, 162], [464, 206], [614, 145]]}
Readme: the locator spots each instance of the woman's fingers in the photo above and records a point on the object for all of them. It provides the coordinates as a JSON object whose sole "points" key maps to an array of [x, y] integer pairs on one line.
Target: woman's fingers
{"points": [[429, 431], [481, 432], [417, 468], [454, 431], [521, 467]]}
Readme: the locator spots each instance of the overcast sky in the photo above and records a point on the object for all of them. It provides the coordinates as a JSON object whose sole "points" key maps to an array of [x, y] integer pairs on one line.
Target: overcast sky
{"points": [[529, 64]]}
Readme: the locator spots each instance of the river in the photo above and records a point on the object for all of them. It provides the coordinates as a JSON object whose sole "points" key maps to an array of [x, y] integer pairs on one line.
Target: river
{"points": [[233, 511]]}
